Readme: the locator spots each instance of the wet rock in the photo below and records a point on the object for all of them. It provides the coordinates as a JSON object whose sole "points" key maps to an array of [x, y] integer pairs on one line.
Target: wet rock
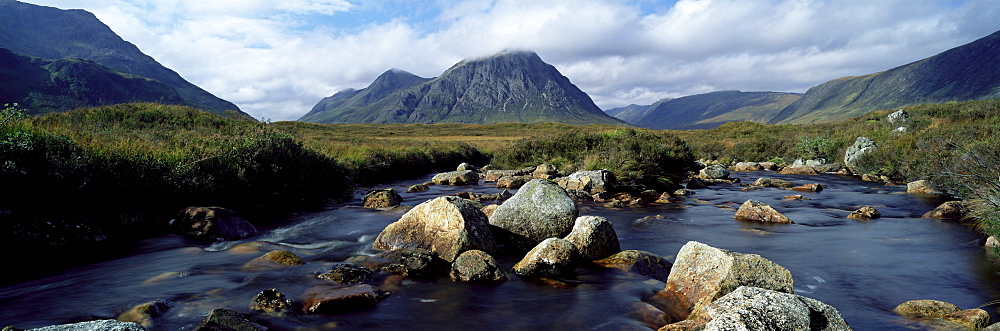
{"points": [[648, 314], [808, 188], [271, 301], [772, 182], [327, 299], [638, 262], [417, 188], [925, 309], [465, 166], [865, 213], [715, 171], [386, 198], [861, 146], [272, 260], [592, 182], [950, 210], [212, 223], [752, 308], [540, 210], [552, 257], [702, 273], [973, 319], [456, 178], [477, 266], [800, 170], [146, 312], [545, 171], [346, 274], [513, 181], [696, 183], [920, 187], [747, 166], [403, 261], [797, 197], [756, 211], [91, 326], [594, 237], [494, 175], [445, 225], [683, 192], [225, 319]]}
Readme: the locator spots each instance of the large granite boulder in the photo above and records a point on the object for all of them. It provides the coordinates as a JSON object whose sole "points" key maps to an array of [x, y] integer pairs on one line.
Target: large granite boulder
{"points": [[701, 274], [212, 223], [756, 211], [446, 225], [552, 257], [386, 198], [752, 308], [477, 266], [638, 262], [456, 178], [592, 181], [333, 299], [715, 171], [854, 152], [540, 210], [594, 237]]}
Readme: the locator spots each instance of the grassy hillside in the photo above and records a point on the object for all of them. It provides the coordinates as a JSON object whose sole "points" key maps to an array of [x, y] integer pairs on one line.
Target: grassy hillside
{"points": [[709, 110]]}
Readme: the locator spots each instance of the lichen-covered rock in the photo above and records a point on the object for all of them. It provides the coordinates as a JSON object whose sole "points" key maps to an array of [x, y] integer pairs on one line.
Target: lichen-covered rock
{"points": [[865, 213], [477, 266], [751, 308], [638, 262], [456, 178], [445, 225], [814, 187], [513, 181], [701, 274], [592, 181], [386, 198], [950, 210], [861, 146], [102, 325], [772, 182], [540, 210], [747, 166], [146, 312], [333, 299], [552, 257], [756, 211], [800, 170], [225, 319], [715, 171], [272, 260], [594, 237], [212, 223], [924, 309], [545, 171], [271, 301], [416, 188], [346, 274]]}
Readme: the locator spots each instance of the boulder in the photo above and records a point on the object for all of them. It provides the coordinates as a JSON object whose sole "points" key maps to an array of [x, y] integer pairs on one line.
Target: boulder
{"points": [[992, 241], [715, 171], [865, 213], [898, 117], [941, 315], [494, 175], [417, 188], [701, 274], [540, 210], [92, 325], [545, 171], [925, 309], [212, 223], [594, 237], [638, 262], [489, 209], [973, 319], [225, 319], [950, 210], [992, 327], [346, 274], [513, 181], [756, 211], [273, 260], [446, 225], [271, 301], [593, 181], [747, 166], [683, 192], [477, 266], [874, 178], [752, 308], [465, 166], [552, 257], [386, 198], [814, 187], [854, 152], [696, 183], [333, 299], [769, 166], [920, 187], [800, 170], [146, 312], [456, 178], [772, 182]]}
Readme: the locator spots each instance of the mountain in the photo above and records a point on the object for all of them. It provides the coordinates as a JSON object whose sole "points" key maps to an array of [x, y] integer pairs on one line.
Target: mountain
{"points": [[42, 85], [968, 72], [54, 33], [633, 112], [513, 86], [709, 110]]}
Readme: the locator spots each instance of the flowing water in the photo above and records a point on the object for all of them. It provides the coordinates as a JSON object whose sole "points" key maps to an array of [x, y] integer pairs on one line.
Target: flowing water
{"points": [[863, 268]]}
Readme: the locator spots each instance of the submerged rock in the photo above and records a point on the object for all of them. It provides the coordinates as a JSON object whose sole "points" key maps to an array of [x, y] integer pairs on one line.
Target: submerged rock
{"points": [[272, 260], [638, 262], [146, 312], [756, 211], [386, 198], [225, 319], [212, 223], [552, 257], [540, 210], [446, 225], [477, 266], [327, 299], [417, 188]]}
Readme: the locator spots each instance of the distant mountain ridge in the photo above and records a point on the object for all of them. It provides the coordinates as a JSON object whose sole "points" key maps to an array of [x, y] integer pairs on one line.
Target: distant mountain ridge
{"points": [[53, 33], [708, 110], [967, 72], [513, 86]]}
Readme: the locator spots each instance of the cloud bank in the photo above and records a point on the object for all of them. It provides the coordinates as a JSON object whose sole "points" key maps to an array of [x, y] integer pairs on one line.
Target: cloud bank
{"points": [[276, 59]]}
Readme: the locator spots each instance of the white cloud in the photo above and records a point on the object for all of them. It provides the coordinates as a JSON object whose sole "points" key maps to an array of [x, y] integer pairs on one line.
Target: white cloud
{"points": [[277, 59]]}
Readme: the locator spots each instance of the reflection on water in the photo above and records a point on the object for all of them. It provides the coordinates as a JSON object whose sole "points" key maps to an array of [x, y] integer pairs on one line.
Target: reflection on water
{"points": [[864, 269]]}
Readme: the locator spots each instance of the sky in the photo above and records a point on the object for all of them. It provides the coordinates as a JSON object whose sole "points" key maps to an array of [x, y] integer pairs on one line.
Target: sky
{"points": [[277, 59]]}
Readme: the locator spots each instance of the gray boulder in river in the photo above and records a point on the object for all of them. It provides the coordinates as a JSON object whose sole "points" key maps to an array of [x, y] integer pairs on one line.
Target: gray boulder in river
{"points": [[540, 210], [212, 223], [752, 308], [456, 178], [595, 237], [552, 257], [446, 225]]}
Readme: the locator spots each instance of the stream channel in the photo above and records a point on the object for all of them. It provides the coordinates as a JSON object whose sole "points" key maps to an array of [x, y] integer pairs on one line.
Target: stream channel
{"points": [[862, 268]]}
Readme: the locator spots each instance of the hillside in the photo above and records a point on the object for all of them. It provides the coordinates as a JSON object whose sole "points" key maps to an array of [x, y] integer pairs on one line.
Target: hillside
{"points": [[54, 33], [633, 112], [508, 87], [968, 72], [709, 110]]}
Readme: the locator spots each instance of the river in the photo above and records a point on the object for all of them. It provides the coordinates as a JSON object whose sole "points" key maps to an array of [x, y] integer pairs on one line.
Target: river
{"points": [[862, 268]]}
